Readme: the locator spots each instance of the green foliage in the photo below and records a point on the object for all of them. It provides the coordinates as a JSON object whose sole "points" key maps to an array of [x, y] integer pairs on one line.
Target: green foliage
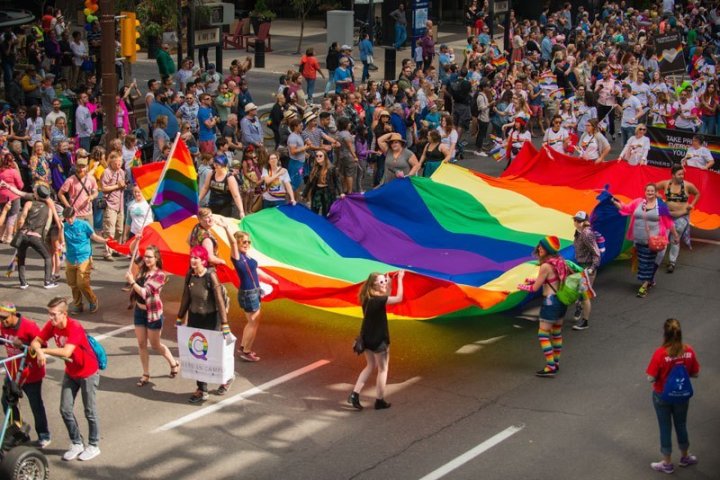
{"points": [[262, 11], [303, 7]]}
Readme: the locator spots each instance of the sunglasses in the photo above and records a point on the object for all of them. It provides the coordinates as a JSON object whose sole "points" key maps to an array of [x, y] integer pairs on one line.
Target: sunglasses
{"points": [[245, 242], [642, 129], [3, 318]]}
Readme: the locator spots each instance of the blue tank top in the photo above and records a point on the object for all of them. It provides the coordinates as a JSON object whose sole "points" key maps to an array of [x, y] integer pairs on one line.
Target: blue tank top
{"points": [[246, 269]]}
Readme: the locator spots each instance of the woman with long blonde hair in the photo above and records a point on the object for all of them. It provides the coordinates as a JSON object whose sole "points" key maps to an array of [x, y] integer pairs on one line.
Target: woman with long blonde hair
{"points": [[375, 295]]}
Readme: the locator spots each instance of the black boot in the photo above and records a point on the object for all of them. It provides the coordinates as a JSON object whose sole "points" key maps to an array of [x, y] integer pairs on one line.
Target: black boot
{"points": [[381, 404], [354, 400]]}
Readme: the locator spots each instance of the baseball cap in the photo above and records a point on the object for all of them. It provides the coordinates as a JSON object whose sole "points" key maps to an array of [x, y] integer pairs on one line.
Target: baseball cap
{"points": [[581, 216]]}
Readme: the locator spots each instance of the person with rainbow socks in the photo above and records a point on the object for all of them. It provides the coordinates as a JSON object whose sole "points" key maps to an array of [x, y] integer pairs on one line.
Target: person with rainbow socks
{"points": [[553, 271]]}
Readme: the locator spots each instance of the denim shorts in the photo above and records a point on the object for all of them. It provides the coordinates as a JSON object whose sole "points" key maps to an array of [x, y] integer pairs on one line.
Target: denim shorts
{"points": [[140, 319], [249, 300], [552, 309]]}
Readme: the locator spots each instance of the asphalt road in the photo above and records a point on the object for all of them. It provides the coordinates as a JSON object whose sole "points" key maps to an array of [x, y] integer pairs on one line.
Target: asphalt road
{"points": [[463, 391]]}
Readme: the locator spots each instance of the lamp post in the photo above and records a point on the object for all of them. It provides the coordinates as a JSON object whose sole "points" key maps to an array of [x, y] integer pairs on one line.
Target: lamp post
{"points": [[107, 69]]}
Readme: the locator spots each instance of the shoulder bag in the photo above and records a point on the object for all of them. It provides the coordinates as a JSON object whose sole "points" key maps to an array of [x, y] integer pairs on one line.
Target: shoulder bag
{"points": [[656, 243]]}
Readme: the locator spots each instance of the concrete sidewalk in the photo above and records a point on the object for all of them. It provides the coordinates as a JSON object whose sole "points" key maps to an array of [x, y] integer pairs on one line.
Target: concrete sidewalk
{"points": [[285, 34]]}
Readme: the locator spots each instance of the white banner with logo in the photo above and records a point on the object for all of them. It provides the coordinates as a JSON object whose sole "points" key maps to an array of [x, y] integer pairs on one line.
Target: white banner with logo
{"points": [[205, 355]]}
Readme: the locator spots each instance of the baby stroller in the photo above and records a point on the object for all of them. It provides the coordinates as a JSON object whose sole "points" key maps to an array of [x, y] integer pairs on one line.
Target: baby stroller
{"points": [[17, 460]]}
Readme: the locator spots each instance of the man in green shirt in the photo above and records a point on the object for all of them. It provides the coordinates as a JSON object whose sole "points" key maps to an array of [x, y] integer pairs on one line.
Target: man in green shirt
{"points": [[165, 63]]}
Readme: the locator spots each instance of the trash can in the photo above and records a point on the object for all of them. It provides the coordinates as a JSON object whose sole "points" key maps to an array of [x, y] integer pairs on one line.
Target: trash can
{"points": [[259, 54], [68, 107]]}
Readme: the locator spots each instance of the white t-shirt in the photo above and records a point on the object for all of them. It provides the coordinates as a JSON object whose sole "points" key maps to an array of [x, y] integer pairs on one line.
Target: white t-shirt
{"points": [[518, 139], [448, 140], [636, 150], [698, 157], [555, 140], [35, 130], [52, 116], [128, 156], [630, 108], [592, 145], [138, 216], [276, 190], [641, 91], [684, 109]]}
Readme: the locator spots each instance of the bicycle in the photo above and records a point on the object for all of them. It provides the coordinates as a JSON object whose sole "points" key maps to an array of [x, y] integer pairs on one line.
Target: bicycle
{"points": [[18, 461]]}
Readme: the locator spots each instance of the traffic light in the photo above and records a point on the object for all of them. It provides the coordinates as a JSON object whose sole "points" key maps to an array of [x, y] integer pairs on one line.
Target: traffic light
{"points": [[129, 36]]}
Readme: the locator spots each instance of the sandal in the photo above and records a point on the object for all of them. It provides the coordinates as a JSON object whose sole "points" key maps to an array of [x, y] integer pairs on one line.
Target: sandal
{"points": [[174, 370], [642, 292], [144, 380]]}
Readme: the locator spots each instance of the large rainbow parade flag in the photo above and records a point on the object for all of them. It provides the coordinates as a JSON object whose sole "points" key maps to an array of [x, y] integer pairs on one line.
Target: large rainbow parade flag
{"points": [[465, 239], [627, 182]]}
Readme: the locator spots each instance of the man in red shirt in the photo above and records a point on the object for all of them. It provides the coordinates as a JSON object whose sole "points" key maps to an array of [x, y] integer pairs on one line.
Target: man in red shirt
{"points": [[81, 373], [21, 331], [309, 68]]}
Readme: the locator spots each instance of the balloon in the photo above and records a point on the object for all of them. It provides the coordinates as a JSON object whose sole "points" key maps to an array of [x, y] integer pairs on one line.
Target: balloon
{"points": [[87, 12], [88, 3], [94, 8]]}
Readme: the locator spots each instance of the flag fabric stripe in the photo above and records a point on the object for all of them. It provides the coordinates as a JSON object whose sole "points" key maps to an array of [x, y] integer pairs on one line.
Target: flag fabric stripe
{"points": [[147, 178], [176, 193]]}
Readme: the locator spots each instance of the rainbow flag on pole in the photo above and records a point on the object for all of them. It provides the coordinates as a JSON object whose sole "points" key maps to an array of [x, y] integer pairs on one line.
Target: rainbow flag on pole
{"points": [[499, 62], [170, 187]]}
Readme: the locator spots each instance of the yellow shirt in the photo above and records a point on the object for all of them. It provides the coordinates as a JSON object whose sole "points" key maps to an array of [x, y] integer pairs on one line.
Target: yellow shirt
{"points": [[99, 169]]}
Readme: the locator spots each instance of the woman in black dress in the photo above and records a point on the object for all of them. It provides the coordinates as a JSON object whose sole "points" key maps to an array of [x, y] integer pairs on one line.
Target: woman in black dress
{"points": [[375, 294]]}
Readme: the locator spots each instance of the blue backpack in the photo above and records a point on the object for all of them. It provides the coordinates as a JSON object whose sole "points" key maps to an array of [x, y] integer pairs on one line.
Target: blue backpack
{"points": [[678, 388], [99, 351]]}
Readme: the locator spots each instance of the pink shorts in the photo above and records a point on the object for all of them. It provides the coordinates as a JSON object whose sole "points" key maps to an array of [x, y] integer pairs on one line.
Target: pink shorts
{"points": [[535, 110]]}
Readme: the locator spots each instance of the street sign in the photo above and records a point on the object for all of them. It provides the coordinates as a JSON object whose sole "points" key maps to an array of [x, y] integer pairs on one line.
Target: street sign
{"points": [[208, 36], [219, 13], [502, 6]]}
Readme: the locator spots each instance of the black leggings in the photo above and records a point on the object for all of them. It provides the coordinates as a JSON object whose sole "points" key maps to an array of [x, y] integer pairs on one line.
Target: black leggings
{"points": [[602, 111], [481, 134], [37, 244]]}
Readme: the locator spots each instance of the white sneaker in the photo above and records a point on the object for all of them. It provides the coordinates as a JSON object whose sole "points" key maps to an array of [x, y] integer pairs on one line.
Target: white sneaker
{"points": [[89, 453], [75, 450]]}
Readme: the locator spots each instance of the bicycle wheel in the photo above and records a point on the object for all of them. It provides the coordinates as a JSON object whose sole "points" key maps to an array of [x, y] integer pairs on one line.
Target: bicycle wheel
{"points": [[268, 134]]}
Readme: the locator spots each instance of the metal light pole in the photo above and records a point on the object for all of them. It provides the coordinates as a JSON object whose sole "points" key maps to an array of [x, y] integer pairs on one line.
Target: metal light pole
{"points": [[107, 68]]}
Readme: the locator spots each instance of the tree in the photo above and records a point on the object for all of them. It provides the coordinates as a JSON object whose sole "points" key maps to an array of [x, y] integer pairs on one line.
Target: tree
{"points": [[303, 8]]}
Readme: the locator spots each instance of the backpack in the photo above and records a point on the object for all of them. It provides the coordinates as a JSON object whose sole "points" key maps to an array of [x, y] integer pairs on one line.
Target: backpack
{"points": [[474, 110], [569, 291], [99, 351], [678, 388], [456, 90], [600, 240], [572, 288]]}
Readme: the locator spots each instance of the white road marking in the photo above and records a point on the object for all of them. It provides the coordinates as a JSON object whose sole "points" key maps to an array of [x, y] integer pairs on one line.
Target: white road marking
{"points": [[476, 346], [113, 333], [474, 452], [241, 396], [704, 240]]}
